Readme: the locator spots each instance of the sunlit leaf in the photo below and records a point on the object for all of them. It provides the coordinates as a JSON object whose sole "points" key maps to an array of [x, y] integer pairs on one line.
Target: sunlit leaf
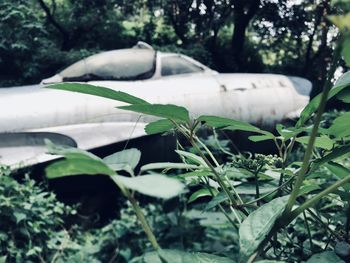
{"points": [[341, 83], [341, 21], [192, 157], [98, 91], [76, 166], [258, 224], [69, 152], [325, 257], [168, 111], [159, 126], [199, 193], [155, 185], [178, 256], [124, 160], [323, 142]]}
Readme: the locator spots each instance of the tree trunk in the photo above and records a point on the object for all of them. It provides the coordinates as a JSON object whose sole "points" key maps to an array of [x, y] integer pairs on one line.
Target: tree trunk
{"points": [[244, 11]]}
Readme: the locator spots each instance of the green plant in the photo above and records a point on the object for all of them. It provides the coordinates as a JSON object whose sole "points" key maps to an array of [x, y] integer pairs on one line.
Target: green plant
{"points": [[30, 218], [261, 220]]}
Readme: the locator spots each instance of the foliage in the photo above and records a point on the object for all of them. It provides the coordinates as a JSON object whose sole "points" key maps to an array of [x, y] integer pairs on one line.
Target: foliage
{"points": [[30, 219], [261, 216]]}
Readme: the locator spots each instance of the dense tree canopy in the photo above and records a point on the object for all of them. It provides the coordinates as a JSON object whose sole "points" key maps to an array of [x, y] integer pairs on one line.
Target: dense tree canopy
{"points": [[38, 37]]}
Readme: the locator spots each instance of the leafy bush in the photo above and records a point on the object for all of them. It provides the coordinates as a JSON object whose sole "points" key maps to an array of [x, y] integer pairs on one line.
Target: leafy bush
{"points": [[29, 217]]}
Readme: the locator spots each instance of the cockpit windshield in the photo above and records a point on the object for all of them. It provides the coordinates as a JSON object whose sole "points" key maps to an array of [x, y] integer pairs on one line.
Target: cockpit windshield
{"points": [[124, 64]]}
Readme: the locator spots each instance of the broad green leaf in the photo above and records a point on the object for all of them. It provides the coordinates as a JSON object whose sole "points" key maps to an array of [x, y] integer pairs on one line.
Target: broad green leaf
{"points": [[323, 142], [341, 126], [260, 138], [124, 160], [308, 188], [199, 193], [258, 224], [341, 21], [339, 171], [334, 154], [168, 166], [159, 126], [98, 91], [325, 257], [341, 83], [3, 259], [168, 111], [69, 152], [77, 166], [178, 256], [155, 185], [248, 188], [192, 157]]}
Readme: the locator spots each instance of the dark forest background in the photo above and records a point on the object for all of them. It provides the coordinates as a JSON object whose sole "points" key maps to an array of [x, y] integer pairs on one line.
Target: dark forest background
{"points": [[293, 37]]}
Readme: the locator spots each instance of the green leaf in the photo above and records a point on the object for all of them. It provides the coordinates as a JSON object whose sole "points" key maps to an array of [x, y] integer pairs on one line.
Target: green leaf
{"points": [[178, 256], [334, 154], [344, 96], [218, 199], [155, 185], [341, 21], [124, 160], [168, 166], [3, 259], [341, 126], [308, 188], [168, 111], [19, 216], [340, 84], [346, 49], [98, 91], [323, 142], [77, 166], [192, 157], [198, 173], [220, 122], [199, 193], [69, 152], [260, 138], [339, 171], [159, 126], [258, 224], [325, 257]]}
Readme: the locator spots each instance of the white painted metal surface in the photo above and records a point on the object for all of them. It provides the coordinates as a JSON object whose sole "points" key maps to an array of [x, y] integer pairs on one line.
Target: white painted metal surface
{"points": [[262, 99]]}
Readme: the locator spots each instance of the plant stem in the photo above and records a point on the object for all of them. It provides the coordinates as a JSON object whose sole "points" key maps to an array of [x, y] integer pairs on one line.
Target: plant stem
{"points": [[308, 231], [141, 217], [316, 198], [308, 153]]}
